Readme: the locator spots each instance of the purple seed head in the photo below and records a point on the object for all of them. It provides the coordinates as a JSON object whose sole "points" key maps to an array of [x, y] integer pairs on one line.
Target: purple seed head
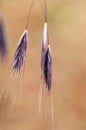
{"points": [[46, 60], [20, 52], [48, 68], [3, 44]]}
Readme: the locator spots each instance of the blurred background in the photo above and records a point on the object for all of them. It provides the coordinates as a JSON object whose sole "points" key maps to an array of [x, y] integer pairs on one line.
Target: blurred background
{"points": [[67, 33]]}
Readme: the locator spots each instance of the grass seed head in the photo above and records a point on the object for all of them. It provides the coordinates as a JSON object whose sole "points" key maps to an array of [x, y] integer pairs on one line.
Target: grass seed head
{"points": [[20, 52]]}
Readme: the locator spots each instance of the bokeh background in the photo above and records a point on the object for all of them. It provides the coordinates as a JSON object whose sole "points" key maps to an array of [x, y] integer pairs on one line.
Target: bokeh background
{"points": [[67, 32]]}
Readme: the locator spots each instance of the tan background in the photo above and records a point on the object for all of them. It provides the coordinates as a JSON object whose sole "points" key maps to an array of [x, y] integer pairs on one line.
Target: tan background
{"points": [[67, 30]]}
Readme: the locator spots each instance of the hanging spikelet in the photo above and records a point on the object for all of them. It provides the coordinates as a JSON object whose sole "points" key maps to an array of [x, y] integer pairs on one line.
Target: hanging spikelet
{"points": [[46, 90], [11, 92], [46, 60], [3, 43], [20, 52]]}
